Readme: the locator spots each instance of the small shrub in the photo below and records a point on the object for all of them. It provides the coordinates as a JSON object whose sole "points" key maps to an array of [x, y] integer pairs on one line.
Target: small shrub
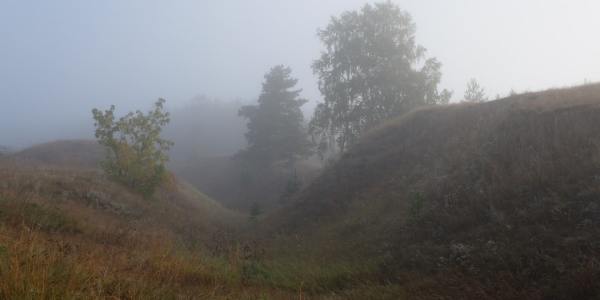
{"points": [[136, 152]]}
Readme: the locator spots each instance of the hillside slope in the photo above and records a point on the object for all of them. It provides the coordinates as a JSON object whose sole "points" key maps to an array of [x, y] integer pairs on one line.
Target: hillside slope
{"points": [[495, 200], [66, 153], [67, 232], [70, 233]]}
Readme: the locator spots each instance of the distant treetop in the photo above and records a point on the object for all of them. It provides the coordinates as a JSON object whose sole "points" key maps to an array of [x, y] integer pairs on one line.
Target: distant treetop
{"points": [[474, 92]]}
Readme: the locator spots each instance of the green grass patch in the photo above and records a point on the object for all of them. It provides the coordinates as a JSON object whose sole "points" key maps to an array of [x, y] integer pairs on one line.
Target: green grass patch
{"points": [[40, 217]]}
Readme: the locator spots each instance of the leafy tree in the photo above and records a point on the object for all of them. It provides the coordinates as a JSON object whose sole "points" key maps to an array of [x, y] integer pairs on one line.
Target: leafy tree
{"points": [[371, 70], [275, 126], [474, 92], [136, 153]]}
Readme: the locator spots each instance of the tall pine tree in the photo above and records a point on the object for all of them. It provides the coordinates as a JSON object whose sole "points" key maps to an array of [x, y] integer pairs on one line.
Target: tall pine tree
{"points": [[276, 130]]}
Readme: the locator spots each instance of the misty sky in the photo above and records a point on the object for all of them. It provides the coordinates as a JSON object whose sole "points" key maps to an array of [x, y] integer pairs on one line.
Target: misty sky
{"points": [[59, 59]]}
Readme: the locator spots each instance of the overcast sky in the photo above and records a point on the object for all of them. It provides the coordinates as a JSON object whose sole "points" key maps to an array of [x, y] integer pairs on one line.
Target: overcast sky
{"points": [[59, 59]]}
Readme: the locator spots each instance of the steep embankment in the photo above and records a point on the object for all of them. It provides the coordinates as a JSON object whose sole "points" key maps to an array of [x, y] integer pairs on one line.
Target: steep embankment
{"points": [[492, 200]]}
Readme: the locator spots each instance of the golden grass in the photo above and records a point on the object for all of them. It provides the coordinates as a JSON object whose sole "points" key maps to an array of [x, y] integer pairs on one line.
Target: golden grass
{"points": [[71, 234], [503, 175], [39, 265]]}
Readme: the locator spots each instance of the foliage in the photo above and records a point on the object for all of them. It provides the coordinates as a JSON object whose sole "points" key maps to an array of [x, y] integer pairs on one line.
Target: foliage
{"points": [[136, 152], [474, 92], [371, 70], [275, 126]]}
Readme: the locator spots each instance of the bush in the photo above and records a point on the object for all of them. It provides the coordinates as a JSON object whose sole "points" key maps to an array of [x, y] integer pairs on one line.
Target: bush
{"points": [[136, 153]]}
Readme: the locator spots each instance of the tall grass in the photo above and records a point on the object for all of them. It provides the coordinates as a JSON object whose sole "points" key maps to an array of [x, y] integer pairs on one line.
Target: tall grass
{"points": [[49, 253]]}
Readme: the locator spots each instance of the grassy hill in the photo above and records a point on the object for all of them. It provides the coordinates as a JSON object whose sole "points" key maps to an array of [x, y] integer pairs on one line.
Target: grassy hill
{"points": [[67, 153], [497, 200], [67, 232], [471, 201], [70, 233]]}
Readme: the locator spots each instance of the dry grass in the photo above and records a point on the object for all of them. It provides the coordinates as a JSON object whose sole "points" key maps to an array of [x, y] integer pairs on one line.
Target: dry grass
{"points": [[70, 234], [473, 201]]}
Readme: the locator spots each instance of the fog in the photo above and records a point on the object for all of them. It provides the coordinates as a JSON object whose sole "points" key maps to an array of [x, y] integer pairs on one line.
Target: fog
{"points": [[206, 127], [59, 59]]}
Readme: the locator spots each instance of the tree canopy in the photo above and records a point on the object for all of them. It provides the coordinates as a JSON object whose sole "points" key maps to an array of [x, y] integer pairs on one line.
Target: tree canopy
{"points": [[371, 69]]}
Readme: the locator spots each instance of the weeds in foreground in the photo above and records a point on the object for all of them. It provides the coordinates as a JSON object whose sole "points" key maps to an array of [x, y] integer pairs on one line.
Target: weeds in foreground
{"points": [[47, 254]]}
